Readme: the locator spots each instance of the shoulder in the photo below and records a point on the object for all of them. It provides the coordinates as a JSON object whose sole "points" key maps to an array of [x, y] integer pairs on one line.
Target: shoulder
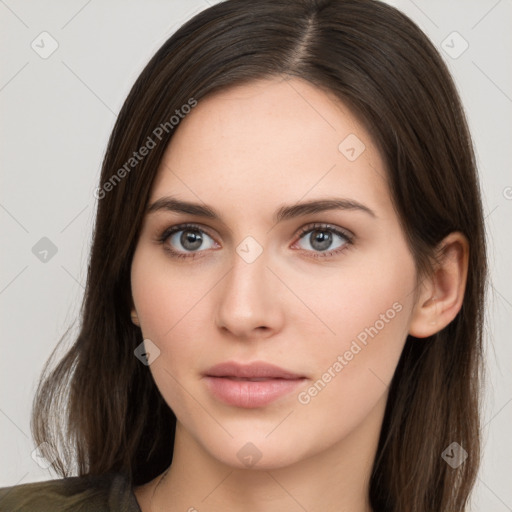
{"points": [[110, 492]]}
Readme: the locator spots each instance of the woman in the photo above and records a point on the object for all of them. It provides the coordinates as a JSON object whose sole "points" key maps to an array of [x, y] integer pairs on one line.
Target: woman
{"points": [[284, 301]]}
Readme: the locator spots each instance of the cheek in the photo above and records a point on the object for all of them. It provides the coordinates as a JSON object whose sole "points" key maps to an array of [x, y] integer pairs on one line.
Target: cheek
{"points": [[369, 311], [168, 302], [163, 294]]}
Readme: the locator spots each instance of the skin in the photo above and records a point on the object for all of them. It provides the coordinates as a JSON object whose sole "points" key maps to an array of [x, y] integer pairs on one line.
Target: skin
{"points": [[246, 151]]}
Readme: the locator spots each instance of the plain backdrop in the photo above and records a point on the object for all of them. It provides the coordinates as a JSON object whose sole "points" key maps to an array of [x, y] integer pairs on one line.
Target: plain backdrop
{"points": [[57, 112]]}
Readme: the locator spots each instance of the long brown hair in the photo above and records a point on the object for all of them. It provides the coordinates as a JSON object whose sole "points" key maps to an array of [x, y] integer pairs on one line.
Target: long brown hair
{"points": [[99, 407]]}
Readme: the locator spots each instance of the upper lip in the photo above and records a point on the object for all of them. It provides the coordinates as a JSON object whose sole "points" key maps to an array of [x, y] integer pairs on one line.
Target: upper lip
{"points": [[254, 370]]}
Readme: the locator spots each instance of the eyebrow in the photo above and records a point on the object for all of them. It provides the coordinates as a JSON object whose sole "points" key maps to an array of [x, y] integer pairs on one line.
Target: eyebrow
{"points": [[286, 212]]}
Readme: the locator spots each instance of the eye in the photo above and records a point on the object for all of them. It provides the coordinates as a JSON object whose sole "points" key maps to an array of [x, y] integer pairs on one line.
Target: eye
{"points": [[189, 240], [324, 240], [190, 237]]}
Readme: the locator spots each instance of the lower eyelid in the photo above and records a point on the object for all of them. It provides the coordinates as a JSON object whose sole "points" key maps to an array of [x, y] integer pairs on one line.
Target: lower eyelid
{"points": [[328, 252]]}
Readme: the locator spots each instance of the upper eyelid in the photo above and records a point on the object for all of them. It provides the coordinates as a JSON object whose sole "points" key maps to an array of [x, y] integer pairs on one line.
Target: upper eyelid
{"points": [[328, 227], [181, 227]]}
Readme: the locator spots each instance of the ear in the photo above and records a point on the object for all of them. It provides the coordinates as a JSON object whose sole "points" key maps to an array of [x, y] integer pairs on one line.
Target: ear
{"points": [[134, 316], [441, 296]]}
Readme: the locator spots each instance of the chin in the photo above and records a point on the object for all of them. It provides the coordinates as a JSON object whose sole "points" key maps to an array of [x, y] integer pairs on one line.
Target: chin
{"points": [[255, 452]]}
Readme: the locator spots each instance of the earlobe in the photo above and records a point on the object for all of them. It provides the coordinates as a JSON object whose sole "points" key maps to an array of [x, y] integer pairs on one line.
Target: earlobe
{"points": [[443, 292]]}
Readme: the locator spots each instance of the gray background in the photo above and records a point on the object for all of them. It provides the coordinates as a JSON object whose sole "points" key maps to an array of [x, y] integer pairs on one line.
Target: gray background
{"points": [[57, 114]]}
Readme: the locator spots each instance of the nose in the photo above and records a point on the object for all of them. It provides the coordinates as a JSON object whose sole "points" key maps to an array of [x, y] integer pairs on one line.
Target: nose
{"points": [[251, 300]]}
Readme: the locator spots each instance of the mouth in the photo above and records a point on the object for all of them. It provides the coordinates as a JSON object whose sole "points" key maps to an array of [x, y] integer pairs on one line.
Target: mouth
{"points": [[250, 386]]}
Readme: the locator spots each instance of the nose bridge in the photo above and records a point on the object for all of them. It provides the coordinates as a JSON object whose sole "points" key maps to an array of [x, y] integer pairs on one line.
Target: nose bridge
{"points": [[248, 280], [248, 300]]}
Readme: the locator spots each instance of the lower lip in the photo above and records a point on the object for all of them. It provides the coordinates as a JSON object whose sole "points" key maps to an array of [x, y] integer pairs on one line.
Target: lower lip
{"points": [[250, 394]]}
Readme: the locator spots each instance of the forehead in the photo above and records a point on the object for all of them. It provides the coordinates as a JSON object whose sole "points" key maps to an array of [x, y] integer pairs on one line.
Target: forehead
{"points": [[268, 140]]}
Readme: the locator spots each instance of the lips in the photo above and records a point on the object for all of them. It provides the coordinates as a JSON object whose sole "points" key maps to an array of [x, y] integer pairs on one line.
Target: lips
{"points": [[251, 385], [252, 371]]}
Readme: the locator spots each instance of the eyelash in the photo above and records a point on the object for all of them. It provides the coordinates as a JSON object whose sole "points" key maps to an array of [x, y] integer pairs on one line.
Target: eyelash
{"points": [[349, 239]]}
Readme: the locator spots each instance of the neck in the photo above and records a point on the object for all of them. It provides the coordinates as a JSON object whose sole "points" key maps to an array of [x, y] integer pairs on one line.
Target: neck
{"points": [[334, 479]]}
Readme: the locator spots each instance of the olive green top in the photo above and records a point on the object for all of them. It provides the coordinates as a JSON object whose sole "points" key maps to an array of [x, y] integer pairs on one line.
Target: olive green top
{"points": [[110, 492]]}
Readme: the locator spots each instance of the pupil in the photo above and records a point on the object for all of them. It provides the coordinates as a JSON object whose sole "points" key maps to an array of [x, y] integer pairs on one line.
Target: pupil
{"points": [[324, 239]]}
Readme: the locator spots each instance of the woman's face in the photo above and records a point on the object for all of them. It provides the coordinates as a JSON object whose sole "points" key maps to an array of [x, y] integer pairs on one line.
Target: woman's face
{"points": [[326, 294]]}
